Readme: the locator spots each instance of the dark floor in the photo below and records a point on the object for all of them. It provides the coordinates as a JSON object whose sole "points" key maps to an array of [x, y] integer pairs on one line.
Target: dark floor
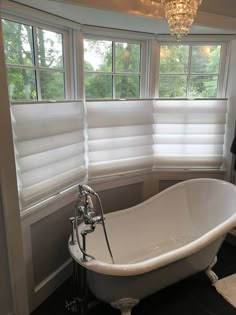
{"points": [[193, 296]]}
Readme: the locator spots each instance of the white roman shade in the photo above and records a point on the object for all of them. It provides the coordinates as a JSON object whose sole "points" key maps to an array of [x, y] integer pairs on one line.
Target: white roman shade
{"points": [[189, 133], [49, 148], [123, 136], [120, 136]]}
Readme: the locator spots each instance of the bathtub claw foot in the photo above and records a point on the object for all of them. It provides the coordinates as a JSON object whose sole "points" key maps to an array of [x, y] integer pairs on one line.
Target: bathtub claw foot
{"points": [[210, 273], [125, 305]]}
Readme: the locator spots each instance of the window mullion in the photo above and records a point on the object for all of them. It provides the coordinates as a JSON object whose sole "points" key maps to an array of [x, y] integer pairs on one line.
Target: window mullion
{"points": [[224, 59], [36, 63], [189, 70], [113, 69]]}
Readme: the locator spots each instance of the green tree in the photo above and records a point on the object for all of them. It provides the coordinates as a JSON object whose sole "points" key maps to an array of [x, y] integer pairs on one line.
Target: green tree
{"points": [[20, 58], [204, 69], [125, 66], [49, 56], [18, 46]]}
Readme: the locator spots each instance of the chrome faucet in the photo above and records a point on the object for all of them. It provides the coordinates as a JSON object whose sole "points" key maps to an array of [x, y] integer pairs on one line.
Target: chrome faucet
{"points": [[84, 211]]}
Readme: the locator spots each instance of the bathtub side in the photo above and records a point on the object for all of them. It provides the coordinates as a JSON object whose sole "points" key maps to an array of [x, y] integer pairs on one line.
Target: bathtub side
{"points": [[211, 202], [110, 288]]}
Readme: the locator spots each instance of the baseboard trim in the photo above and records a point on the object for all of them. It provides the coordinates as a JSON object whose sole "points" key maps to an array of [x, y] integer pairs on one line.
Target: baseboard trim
{"points": [[52, 276], [45, 288]]}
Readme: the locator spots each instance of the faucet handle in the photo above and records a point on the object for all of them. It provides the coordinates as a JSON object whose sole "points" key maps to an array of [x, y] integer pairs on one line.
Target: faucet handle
{"points": [[90, 203], [95, 220], [72, 220]]}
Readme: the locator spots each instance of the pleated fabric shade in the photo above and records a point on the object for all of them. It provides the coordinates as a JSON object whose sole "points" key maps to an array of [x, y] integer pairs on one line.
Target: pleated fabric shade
{"points": [[56, 148], [120, 136], [144, 134], [49, 148], [189, 133]]}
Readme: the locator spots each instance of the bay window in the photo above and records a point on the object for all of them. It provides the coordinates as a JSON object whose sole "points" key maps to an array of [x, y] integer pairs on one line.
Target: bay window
{"points": [[114, 130]]}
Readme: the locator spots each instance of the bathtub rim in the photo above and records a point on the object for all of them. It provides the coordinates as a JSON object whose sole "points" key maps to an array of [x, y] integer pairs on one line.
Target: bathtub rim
{"points": [[163, 259]]}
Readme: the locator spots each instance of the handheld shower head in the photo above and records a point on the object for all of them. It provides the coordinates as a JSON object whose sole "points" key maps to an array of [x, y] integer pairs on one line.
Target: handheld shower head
{"points": [[86, 189]]}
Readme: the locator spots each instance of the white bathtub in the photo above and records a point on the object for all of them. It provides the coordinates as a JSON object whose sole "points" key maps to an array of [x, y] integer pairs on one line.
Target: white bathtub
{"points": [[170, 236]]}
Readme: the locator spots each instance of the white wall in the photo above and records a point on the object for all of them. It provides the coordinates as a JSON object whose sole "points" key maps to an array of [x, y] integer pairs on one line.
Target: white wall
{"points": [[10, 227], [6, 306]]}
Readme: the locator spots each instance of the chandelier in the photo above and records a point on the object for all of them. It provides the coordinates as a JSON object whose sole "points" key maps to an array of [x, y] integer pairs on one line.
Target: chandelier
{"points": [[180, 15]]}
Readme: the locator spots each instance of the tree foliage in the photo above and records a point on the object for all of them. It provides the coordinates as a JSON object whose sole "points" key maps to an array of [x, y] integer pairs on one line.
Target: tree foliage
{"points": [[189, 71], [115, 67], [35, 67], [25, 65]]}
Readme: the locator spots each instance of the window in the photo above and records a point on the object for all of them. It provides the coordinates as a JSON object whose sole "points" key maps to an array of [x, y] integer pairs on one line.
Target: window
{"points": [[112, 69], [35, 62], [191, 71]]}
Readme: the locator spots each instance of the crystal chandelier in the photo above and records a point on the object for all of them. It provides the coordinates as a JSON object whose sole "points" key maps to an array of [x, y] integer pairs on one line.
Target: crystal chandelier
{"points": [[180, 15]]}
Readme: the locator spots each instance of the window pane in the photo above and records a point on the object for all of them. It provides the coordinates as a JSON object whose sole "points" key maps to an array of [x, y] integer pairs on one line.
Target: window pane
{"points": [[18, 43], [52, 85], [174, 58], [127, 86], [21, 84], [97, 55], [127, 57], [203, 86], [50, 49], [98, 86], [172, 86], [205, 59]]}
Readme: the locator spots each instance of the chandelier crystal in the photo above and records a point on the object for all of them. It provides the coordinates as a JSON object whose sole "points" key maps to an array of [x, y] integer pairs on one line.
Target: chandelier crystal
{"points": [[180, 15]]}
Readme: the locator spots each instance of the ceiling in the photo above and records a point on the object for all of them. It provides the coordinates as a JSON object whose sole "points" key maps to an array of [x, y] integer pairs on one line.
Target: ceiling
{"points": [[220, 7], [214, 16], [225, 7]]}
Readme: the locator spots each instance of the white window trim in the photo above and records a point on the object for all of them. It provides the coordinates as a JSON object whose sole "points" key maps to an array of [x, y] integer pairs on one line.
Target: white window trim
{"points": [[222, 78], [38, 16], [127, 38], [10, 203], [67, 43], [77, 57]]}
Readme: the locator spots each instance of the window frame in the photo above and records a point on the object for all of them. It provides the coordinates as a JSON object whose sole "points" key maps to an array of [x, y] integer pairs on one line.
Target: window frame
{"points": [[221, 85], [67, 60], [143, 61]]}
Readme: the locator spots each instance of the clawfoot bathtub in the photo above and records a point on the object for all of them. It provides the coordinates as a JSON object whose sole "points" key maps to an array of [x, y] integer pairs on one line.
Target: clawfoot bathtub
{"points": [[168, 237]]}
